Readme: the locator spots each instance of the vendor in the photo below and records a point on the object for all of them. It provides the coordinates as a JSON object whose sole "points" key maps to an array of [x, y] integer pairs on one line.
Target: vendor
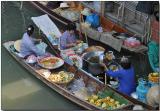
{"points": [[68, 39], [27, 46], [153, 46], [125, 75]]}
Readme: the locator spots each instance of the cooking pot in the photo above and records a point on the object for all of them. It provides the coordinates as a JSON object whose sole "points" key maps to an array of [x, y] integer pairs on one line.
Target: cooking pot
{"points": [[94, 68]]}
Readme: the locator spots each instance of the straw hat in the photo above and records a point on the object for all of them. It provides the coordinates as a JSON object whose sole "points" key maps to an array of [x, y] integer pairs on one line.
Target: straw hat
{"points": [[64, 5], [86, 11], [17, 44]]}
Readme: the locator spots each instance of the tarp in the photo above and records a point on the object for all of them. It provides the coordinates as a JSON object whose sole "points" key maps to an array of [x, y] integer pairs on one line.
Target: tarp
{"points": [[46, 25]]}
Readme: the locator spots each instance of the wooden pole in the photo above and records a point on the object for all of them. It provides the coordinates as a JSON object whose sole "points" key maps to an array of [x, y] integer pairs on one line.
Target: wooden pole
{"points": [[80, 27], [105, 82], [85, 31], [102, 8]]}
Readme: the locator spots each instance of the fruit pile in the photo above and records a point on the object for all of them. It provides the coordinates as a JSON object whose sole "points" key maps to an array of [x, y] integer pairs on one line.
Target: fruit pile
{"points": [[154, 77], [104, 103], [61, 77]]}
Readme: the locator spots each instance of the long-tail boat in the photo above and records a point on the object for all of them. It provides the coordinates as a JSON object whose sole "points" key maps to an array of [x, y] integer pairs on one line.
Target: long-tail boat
{"points": [[63, 88], [60, 88]]}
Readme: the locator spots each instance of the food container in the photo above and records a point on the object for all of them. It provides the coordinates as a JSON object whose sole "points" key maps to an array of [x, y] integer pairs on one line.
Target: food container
{"points": [[31, 59], [93, 67], [44, 72], [132, 42], [106, 99], [154, 77], [94, 48], [76, 60], [61, 77], [50, 62]]}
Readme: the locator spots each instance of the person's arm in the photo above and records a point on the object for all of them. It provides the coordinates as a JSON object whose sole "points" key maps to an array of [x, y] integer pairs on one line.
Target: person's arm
{"points": [[33, 48], [36, 40], [114, 73], [63, 42], [71, 45]]}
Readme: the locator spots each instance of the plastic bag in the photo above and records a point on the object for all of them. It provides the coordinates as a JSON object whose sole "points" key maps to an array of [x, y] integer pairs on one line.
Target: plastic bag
{"points": [[42, 47], [82, 93], [76, 85], [93, 19]]}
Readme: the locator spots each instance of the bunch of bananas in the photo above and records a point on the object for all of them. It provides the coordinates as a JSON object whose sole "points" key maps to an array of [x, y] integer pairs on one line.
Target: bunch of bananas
{"points": [[105, 103]]}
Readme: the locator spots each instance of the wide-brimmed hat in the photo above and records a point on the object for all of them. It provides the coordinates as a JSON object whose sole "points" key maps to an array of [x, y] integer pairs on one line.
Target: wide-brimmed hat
{"points": [[17, 45], [86, 11], [63, 5]]}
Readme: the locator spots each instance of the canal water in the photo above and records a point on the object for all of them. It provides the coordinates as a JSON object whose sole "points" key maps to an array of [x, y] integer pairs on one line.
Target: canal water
{"points": [[20, 89]]}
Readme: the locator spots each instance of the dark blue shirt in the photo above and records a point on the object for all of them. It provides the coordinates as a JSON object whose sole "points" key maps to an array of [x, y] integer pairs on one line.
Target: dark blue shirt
{"points": [[126, 79]]}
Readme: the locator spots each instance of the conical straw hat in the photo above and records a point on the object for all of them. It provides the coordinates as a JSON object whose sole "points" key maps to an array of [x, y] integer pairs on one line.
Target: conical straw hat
{"points": [[17, 44]]}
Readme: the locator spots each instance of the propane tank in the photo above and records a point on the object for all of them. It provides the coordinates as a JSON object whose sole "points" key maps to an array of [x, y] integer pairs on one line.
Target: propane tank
{"points": [[142, 89]]}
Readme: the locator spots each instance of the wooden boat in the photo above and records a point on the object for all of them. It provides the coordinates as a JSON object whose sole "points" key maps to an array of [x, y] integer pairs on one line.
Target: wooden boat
{"points": [[106, 24], [62, 89]]}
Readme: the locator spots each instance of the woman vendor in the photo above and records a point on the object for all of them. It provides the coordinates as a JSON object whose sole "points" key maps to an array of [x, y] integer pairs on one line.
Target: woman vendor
{"points": [[68, 39], [153, 46], [28, 46], [125, 75]]}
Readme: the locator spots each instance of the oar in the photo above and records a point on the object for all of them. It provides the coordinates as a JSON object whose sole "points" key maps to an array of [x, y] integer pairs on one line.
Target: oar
{"points": [[105, 76]]}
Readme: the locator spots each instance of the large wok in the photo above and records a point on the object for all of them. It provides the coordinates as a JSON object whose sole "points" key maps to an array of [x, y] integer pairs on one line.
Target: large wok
{"points": [[92, 67]]}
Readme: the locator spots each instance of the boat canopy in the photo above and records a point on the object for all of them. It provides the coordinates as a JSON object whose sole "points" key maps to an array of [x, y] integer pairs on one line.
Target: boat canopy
{"points": [[46, 25]]}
